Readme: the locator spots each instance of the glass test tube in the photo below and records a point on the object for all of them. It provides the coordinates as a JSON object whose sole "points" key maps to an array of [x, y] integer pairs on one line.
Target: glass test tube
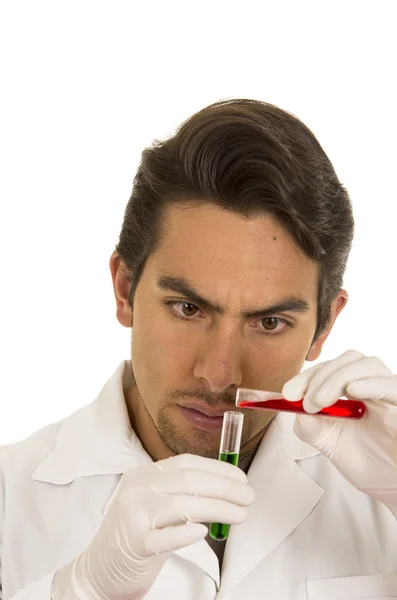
{"points": [[229, 451], [260, 400]]}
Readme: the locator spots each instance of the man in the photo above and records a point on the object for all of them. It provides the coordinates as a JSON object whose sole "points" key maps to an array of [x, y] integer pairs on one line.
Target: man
{"points": [[229, 270]]}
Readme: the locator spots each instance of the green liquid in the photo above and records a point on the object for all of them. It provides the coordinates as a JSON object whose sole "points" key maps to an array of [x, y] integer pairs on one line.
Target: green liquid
{"points": [[220, 531]]}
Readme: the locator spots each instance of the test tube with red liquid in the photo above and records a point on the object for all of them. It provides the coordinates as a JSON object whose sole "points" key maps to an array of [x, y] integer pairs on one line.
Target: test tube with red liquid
{"points": [[260, 400]]}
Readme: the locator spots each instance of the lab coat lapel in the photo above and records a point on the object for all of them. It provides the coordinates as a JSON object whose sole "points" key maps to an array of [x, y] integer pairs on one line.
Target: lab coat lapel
{"points": [[285, 495], [202, 555]]}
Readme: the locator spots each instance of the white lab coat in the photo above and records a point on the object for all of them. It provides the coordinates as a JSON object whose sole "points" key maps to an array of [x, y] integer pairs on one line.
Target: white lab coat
{"points": [[310, 535]]}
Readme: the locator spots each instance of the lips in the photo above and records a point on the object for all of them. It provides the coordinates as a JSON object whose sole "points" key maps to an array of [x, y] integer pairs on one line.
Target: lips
{"points": [[204, 417], [207, 410]]}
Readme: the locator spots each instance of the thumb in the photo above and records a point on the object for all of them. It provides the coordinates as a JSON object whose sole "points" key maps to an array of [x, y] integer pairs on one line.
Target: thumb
{"points": [[318, 431]]}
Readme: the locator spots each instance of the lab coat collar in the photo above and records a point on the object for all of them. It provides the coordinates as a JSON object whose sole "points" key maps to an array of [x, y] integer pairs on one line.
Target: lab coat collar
{"points": [[96, 439], [293, 446]]}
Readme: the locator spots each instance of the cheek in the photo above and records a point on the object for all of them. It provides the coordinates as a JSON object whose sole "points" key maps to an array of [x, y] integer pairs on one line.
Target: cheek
{"points": [[161, 348], [275, 362]]}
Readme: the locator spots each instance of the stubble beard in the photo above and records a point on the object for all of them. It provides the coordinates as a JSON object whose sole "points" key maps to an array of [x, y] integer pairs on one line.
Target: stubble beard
{"points": [[198, 442]]}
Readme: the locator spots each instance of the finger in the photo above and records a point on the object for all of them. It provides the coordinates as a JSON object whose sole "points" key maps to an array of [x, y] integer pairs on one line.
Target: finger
{"points": [[313, 378], [158, 541], [318, 431], [183, 508], [327, 388], [295, 388], [205, 485], [201, 463], [376, 388]]}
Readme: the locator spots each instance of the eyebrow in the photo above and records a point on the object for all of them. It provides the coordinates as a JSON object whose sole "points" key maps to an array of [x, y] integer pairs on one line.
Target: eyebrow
{"points": [[183, 287]]}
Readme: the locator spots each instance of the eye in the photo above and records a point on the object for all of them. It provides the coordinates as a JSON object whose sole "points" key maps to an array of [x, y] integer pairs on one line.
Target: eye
{"points": [[274, 325], [270, 323], [184, 310]]}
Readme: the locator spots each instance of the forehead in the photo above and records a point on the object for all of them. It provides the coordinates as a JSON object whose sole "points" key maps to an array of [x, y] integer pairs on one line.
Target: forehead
{"points": [[218, 249]]}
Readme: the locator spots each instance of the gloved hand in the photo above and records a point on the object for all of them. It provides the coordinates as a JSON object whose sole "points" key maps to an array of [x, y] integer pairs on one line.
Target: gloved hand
{"points": [[156, 509], [365, 450]]}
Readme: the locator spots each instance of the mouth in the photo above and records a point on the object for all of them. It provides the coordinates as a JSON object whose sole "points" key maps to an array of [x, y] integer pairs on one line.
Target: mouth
{"points": [[203, 417]]}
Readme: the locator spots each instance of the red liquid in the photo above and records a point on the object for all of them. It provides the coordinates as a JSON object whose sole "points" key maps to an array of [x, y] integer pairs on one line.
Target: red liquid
{"points": [[345, 409]]}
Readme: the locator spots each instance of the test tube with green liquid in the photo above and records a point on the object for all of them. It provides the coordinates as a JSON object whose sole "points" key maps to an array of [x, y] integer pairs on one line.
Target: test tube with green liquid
{"points": [[229, 451]]}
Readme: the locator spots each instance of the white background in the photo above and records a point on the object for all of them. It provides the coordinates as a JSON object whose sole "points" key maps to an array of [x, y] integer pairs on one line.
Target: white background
{"points": [[85, 86]]}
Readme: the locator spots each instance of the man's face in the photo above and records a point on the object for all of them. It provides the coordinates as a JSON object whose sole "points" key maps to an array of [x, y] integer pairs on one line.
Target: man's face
{"points": [[187, 354]]}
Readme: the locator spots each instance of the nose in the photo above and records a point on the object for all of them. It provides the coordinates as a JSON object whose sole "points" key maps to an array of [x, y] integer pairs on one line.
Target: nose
{"points": [[219, 360]]}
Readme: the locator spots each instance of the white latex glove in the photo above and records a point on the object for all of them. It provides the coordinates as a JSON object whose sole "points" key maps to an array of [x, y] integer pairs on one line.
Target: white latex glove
{"points": [[365, 450], [156, 509]]}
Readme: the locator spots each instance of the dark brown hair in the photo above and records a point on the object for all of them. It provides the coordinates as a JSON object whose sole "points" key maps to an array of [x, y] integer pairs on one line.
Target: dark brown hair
{"points": [[254, 159]]}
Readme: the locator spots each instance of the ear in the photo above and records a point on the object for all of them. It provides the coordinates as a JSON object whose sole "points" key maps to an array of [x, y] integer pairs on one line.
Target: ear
{"points": [[336, 307], [121, 287]]}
